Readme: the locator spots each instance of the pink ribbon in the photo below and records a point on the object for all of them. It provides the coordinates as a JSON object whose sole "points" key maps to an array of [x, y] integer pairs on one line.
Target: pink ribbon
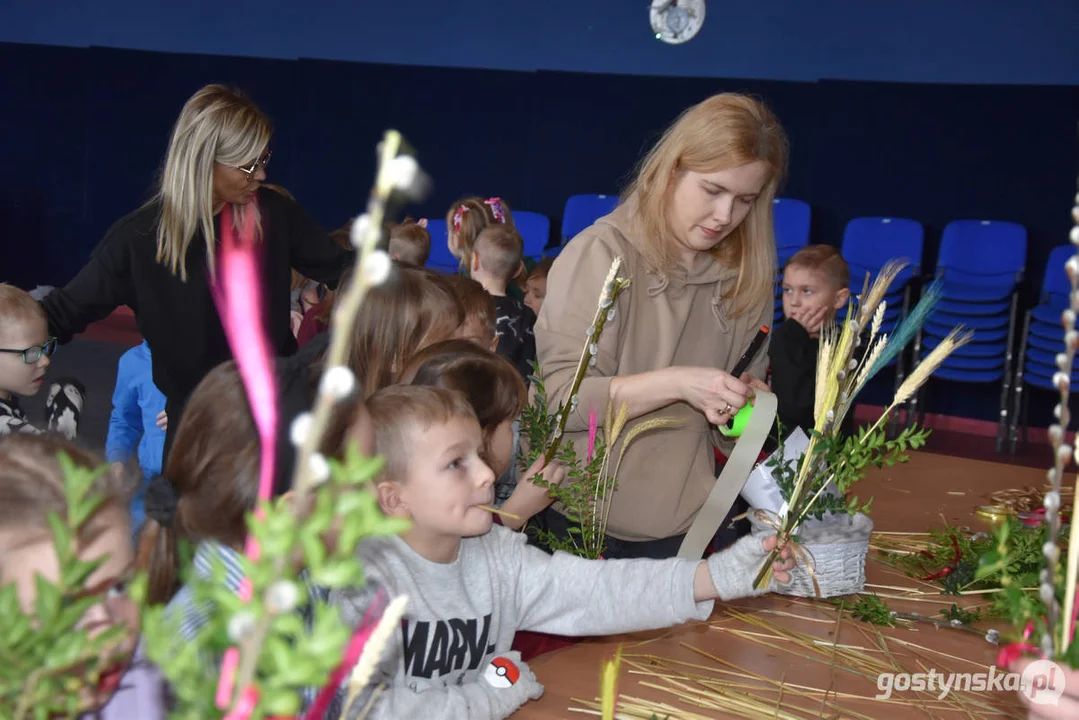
{"points": [[238, 294]]}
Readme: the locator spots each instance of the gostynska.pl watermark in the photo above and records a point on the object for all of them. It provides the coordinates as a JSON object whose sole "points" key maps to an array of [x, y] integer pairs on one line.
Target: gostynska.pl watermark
{"points": [[1042, 682]]}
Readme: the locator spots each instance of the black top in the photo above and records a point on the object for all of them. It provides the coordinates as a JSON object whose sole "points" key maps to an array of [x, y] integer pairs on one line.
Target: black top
{"points": [[794, 377], [513, 326], [179, 319]]}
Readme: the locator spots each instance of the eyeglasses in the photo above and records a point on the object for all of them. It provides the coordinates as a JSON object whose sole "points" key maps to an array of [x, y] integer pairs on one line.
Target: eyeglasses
{"points": [[253, 168], [31, 355]]}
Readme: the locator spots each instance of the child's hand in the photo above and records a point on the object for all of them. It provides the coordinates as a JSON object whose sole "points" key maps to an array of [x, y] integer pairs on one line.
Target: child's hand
{"points": [[511, 697], [811, 318], [163, 420], [732, 571], [528, 498]]}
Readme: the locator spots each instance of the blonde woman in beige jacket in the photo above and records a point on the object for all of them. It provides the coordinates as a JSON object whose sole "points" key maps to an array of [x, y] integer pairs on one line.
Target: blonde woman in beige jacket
{"points": [[695, 234]]}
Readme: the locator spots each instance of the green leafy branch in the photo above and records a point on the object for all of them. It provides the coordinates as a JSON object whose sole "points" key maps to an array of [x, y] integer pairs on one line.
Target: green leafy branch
{"points": [[1016, 563], [294, 655], [842, 461]]}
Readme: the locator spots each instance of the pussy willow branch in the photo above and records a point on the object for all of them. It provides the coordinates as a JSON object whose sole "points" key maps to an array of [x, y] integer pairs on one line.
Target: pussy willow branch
{"points": [[341, 324], [612, 288], [1062, 453], [345, 311]]}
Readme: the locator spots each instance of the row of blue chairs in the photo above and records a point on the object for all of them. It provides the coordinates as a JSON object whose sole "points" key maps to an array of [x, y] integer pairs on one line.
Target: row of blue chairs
{"points": [[981, 264], [1042, 342], [535, 229]]}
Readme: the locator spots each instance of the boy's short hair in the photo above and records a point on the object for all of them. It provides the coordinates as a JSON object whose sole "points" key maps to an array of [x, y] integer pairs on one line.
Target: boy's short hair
{"points": [[410, 243], [500, 249], [476, 303], [826, 260], [397, 411], [16, 305]]}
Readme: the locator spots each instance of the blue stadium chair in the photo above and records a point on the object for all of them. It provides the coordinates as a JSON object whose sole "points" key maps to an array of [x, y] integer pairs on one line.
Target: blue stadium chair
{"points": [[583, 210], [1042, 340], [440, 259], [869, 243], [980, 264], [790, 219], [535, 230]]}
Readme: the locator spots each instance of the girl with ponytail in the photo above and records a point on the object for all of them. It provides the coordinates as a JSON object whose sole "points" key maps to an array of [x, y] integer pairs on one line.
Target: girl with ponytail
{"points": [[210, 484]]}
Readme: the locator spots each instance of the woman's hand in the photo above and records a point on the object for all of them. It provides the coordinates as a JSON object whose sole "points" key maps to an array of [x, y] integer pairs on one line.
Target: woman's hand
{"points": [[754, 382], [528, 498], [716, 393], [163, 421]]}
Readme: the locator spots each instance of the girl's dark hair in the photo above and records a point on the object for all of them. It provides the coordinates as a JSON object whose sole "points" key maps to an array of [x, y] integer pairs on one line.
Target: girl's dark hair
{"points": [[489, 381], [214, 469]]}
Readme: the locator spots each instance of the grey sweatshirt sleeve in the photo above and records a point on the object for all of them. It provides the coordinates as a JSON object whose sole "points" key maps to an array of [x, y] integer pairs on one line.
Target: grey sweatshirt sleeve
{"points": [[567, 595]]}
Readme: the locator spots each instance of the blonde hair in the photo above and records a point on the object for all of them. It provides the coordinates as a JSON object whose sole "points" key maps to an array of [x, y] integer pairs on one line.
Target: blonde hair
{"points": [[725, 131], [16, 306], [412, 309], [398, 411], [217, 125]]}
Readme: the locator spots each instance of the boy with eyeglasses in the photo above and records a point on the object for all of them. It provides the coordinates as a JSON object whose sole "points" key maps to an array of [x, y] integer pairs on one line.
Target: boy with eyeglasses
{"points": [[25, 347]]}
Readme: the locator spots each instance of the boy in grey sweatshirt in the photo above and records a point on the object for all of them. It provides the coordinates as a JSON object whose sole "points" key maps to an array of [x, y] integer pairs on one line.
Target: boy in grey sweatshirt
{"points": [[471, 586]]}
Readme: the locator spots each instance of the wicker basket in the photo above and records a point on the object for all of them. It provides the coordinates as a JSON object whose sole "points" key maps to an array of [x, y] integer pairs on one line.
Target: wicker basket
{"points": [[837, 546]]}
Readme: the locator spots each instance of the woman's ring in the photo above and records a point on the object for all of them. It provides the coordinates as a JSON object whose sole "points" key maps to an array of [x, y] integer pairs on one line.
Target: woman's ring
{"points": [[728, 410]]}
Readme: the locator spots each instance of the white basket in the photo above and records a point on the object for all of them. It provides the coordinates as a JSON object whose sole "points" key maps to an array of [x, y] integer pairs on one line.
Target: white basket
{"points": [[837, 546]]}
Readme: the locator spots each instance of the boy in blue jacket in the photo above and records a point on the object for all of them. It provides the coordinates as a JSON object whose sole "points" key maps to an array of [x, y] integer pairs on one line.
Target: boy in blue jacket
{"points": [[138, 421]]}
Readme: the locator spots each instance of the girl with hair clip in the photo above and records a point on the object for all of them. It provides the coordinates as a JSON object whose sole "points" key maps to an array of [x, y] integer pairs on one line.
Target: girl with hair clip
{"points": [[694, 230], [467, 218], [160, 259], [497, 394], [31, 487]]}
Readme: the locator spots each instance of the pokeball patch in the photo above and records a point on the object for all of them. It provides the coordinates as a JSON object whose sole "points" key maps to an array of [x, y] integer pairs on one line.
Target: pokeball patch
{"points": [[501, 673]]}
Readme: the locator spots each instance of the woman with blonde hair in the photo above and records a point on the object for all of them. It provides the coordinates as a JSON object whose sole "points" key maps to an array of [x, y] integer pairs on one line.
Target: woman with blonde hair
{"points": [[694, 231], [160, 259]]}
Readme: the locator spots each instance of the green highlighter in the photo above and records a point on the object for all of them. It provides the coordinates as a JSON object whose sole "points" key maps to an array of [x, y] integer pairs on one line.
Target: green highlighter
{"points": [[737, 424]]}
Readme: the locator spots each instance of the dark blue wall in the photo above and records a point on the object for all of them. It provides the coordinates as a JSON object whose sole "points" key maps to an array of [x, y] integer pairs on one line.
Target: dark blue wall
{"points": [[954, 41], [83, 127]]}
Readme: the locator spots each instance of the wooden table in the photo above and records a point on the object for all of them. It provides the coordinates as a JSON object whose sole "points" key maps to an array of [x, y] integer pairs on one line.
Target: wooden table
{"points": [[922, 494]]}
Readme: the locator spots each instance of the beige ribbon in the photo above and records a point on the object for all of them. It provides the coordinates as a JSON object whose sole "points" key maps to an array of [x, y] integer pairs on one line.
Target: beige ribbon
{"points": [[732, 479], [801, 554]]}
